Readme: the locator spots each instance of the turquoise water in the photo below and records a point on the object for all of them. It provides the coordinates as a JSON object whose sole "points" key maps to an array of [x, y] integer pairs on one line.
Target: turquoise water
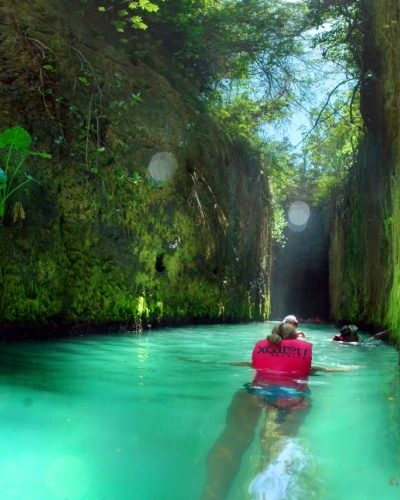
{"points": [[133, 417]]}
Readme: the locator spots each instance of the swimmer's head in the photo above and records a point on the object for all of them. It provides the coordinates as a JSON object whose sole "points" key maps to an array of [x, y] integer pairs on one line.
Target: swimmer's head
{"points": [[282, 331], [345, 331], [288, 331], [276, 329], [291, 320], [276, 335]]}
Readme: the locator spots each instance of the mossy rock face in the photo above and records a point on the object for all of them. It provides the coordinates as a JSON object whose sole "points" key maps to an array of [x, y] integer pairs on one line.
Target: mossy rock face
{"points": [[102, 242], [364, 256]]}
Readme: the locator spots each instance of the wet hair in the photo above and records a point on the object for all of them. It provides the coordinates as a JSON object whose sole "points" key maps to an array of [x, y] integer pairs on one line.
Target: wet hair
{"points": [[282, 331], [348, 332], [275, 337], [276, 330], [288, 331]]}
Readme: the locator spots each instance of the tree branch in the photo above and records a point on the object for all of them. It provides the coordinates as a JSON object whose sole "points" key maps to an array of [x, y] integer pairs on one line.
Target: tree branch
{"points": [[317, 121]]}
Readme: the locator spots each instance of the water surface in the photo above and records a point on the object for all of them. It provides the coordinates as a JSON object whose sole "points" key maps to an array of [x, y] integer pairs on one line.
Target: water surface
{"points": [[133, 417]]}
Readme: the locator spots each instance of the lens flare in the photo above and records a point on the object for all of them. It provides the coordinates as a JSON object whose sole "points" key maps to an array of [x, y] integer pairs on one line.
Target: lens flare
{"points": [[298, 215], [162, 167]]}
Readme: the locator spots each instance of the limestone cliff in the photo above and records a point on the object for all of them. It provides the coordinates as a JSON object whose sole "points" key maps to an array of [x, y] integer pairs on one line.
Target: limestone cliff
{"points": [[365, 237], [103, 241]]}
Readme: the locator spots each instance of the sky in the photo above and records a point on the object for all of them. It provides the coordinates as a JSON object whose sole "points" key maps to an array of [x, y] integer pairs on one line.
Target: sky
{"points": [[326, 76]]}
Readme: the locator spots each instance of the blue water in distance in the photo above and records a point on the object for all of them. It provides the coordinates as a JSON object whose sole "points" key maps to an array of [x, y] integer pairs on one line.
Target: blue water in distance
{"points": [[134, 417]]}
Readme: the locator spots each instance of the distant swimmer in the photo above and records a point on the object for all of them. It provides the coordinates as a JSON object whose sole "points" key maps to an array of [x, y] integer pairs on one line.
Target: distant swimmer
{"points": [[348, 333], [292, 320]]}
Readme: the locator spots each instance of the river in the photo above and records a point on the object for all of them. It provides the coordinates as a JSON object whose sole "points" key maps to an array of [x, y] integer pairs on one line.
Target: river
{"points": [[134, 417]]}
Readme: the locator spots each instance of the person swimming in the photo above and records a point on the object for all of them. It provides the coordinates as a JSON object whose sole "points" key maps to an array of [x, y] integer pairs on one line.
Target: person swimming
{"points": [[279, 389], [348, 333], [282, 364], [280, 361], [292, 320], [281, 353]]}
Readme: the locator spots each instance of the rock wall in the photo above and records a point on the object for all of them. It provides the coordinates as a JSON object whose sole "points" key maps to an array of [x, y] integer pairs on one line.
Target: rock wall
{"points": [[364, 250], [300, 278], [101, 242]]}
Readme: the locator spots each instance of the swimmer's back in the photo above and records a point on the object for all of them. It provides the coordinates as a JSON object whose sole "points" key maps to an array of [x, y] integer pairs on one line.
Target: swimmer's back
{"points": [[291, 357]]}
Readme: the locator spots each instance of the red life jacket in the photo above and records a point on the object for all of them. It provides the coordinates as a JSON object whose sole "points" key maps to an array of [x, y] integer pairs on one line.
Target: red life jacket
{"points": [[291, 358]]}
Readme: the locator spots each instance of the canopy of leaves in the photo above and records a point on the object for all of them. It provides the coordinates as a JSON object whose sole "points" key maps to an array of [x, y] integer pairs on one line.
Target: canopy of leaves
{"points": [[331, 148], [233, 39], [342, 33]]}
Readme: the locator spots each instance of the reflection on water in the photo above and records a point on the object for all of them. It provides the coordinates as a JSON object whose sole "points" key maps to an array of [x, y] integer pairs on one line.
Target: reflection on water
{"points": [[134, 417], [278, 479], [30, 367]]}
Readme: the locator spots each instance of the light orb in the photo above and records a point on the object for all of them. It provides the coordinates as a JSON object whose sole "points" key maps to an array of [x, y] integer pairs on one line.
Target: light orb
{"points": [[162, 167], [298, 214]]}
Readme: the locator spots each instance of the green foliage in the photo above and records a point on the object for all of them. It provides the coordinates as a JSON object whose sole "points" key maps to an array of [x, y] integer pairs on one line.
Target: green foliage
{"points": [[278, 223], [280, 167], [233, 39], [16, 137], [240, 54], [393, 310], [342, 30], [15, 143], [128, 14], [241, 115], [330, 149], [326, 186]]}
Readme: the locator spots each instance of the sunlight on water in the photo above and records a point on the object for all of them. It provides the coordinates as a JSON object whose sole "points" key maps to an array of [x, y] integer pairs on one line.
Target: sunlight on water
{"points": [[133, 417]]}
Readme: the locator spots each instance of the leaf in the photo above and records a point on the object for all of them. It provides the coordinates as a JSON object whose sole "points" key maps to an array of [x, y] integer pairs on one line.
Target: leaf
{"points": [[46, 156], [49, 67], [119, 26], [102, 8], [40, 154], [137, 22], [148, 6], [17, 137], [152, 8], [135, 177], [83, 80]]}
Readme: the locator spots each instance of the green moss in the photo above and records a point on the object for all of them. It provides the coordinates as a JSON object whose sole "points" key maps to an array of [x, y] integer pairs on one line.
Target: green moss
{"points": [[393, 311], [366, 262], [101, 243], [31, 294]]}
